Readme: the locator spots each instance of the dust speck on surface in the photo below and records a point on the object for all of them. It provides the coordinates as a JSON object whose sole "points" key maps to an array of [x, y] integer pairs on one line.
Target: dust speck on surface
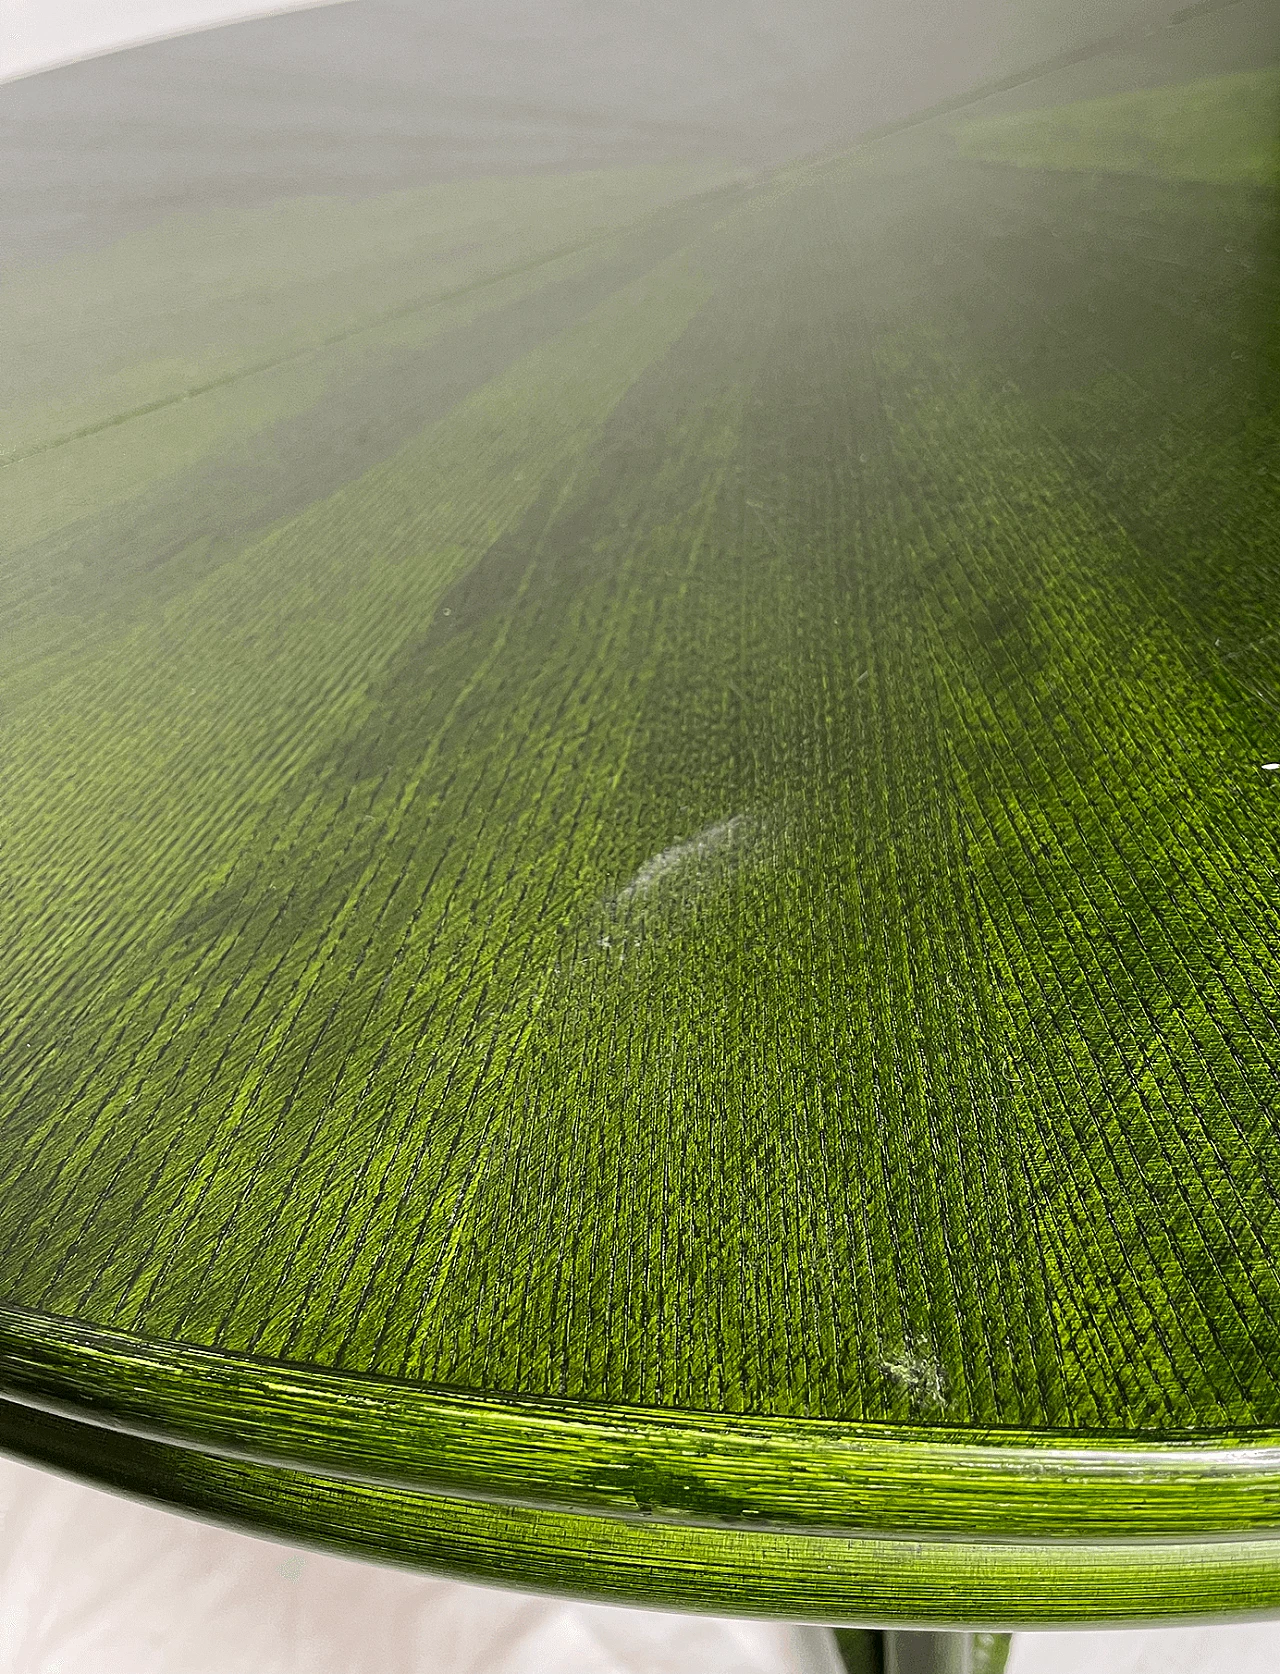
{"points": [[919, 1375]]}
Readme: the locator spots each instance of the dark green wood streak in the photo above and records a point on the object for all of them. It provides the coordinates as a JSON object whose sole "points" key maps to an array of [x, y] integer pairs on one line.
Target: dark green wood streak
{"points": [[693, 943], [681, 1468], [724, 1572], [861, 1650]]}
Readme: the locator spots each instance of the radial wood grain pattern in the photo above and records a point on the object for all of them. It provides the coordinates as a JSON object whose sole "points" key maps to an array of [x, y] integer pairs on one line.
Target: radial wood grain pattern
{"points": [[639, 826]]}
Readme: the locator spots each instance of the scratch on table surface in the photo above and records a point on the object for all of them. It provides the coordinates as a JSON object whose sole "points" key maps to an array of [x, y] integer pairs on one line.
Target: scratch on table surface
{"points": [[689, 854]]}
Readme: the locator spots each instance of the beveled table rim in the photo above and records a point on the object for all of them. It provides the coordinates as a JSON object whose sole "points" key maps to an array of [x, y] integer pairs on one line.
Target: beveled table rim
{"points": [[718, 1470]]}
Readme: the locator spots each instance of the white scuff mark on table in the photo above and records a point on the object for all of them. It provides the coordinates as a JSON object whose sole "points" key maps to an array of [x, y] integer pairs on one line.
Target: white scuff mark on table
{"points": [[677, 877], [687, 855], [919, 1375]]}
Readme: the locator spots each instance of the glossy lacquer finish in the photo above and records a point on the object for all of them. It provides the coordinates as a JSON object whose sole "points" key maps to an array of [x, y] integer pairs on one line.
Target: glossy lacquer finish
{"points": [[640, 862]]}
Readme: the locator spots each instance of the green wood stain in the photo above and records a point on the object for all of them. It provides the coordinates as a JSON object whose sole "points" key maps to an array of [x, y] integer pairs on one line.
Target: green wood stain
{"points": [[639, 923]]}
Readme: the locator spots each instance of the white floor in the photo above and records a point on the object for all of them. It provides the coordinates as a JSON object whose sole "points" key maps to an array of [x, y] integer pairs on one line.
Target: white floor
{"points": [[95, 1584]]}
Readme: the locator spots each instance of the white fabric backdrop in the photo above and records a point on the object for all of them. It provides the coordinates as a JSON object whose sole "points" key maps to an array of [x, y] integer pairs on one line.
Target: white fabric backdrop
{"points": [[37, 33]]}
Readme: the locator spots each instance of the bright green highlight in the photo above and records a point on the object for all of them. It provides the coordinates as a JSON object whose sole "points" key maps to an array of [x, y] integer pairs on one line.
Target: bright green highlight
{"points": [[965, 1583]]}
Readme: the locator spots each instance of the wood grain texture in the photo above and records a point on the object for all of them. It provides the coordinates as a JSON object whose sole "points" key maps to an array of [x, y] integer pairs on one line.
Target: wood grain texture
{"points": [[1001, 1584], [686, 1468], [638, 932]]}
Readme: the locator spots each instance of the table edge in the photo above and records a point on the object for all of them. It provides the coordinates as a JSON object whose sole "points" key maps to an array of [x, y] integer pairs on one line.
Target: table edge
{"points": [[865, 1580], [682, 1467]]}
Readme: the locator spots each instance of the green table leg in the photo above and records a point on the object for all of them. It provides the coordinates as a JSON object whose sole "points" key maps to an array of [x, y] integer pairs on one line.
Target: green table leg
{"points": [[864, 1651], [861, 1649]]}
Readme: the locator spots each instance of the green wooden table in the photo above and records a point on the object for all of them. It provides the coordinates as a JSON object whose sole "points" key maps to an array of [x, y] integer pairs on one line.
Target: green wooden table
{"points": [[639, 922]]}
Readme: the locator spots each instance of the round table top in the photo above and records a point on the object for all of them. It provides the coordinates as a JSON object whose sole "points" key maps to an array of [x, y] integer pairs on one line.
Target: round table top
{"points": [[640, 918]]}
